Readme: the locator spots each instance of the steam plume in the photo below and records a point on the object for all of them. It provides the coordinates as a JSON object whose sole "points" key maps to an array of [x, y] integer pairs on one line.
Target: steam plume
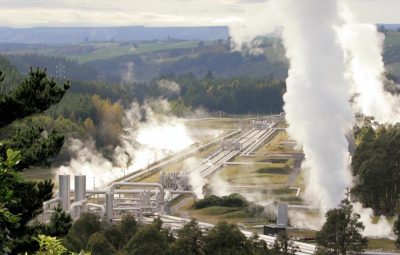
{"points": [[142, 143], [330, 59], [316, 102], [363, 46]]}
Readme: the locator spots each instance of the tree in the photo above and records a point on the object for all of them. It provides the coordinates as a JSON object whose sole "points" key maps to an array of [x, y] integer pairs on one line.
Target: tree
{"points": [[128, 227], [81, 230], [258, 246], [284, 246], [35, 94], [89, 126], [225, 238], [50, 246], [60, 223], [25, 200], [375, 163], [189, 240], [35, 148], [119, 234], [148, 240], [341, 232], [20, 199], [396, 230], [99, 245], [110, 116]]}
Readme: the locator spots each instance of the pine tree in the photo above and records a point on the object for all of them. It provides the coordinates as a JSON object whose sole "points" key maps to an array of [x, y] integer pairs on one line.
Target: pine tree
{"points": [[341, 232]]}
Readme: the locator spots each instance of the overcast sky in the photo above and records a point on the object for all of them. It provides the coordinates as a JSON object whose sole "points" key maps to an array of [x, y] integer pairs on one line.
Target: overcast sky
{"points": [[28, 13]]}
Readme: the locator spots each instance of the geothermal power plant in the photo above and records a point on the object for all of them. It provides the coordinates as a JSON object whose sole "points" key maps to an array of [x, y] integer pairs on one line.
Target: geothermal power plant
{"points": [[148, 200]]}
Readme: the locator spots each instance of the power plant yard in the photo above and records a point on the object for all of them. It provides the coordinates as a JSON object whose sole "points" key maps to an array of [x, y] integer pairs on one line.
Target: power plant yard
{"points": [[238, 127], [253, 157]]}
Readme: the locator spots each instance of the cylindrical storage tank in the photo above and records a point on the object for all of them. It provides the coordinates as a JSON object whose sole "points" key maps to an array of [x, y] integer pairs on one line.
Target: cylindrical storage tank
{"points": [[64, 182], [109, 206], [80, 187]]}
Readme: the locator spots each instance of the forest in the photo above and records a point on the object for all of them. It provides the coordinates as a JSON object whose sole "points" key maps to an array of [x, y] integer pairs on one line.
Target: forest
{"points": [[376, 165]]}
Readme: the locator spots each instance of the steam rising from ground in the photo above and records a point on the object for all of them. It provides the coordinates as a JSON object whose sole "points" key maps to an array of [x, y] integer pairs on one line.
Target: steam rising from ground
{"points": [[147, 137], [316, 102], [169, 88], [331, 57], [128, 74], [363, 46]]}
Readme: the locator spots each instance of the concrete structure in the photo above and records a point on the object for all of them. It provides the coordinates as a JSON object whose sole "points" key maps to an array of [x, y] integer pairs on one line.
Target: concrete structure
{"points": [[282, 218]]}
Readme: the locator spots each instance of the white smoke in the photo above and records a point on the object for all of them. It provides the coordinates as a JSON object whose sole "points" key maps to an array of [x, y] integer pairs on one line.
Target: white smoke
{"points": [[128, 73], [169, 88], [219, 186], [142, 143], [316, 102], [363, 46], [331, 56], [382, 228], [196, 181], [87, 160]]}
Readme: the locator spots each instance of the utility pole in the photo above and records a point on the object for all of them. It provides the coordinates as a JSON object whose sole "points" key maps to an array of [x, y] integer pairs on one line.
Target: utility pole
{"points": [[60, 71], [94, 184], [101, 77]]}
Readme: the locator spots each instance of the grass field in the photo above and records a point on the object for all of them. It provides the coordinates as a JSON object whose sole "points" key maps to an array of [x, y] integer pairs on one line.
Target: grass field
{"points": [[37, 173], [250, 175], [111, 50], [214, 214], [382, 244]]}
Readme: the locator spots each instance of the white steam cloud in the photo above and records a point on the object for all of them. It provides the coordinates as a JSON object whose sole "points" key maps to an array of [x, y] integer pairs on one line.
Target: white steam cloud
{"points": [[142, 143], [128, 73], [363, 46], [316, 102], [169, 88], [331, 57]]}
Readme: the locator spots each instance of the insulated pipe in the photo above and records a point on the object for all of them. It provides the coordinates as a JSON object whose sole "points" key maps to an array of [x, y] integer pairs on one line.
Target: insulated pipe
{"points": [[139, 184], [77, 208], [96, 191], [101, 207], [182, 192], [46, 206], [133, 191], [80, 187], [64, 182]]}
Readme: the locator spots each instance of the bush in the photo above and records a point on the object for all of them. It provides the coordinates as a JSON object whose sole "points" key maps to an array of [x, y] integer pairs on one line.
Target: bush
{"points": [[80, 232], [233, 200]]}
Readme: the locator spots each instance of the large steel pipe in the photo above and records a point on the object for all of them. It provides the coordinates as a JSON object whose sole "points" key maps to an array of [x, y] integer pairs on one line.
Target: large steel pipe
{"points": [[139, 184]]}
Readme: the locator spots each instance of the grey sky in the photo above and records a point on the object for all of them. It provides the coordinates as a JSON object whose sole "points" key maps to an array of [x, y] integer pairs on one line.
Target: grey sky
{"points": [[27, 13]]}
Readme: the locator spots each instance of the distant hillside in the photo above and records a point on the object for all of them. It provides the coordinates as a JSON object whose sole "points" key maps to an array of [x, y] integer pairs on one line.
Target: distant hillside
{"points": [[124, 62], [67, 35], [70, 69]]}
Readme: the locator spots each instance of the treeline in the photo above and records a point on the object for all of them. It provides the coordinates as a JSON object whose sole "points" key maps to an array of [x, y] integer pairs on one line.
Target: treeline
{"points": [[376, 164], [217, 57], [129, 237], [21, 200], [55, 66], [233, 95], [340, 234], [96, 108]]}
